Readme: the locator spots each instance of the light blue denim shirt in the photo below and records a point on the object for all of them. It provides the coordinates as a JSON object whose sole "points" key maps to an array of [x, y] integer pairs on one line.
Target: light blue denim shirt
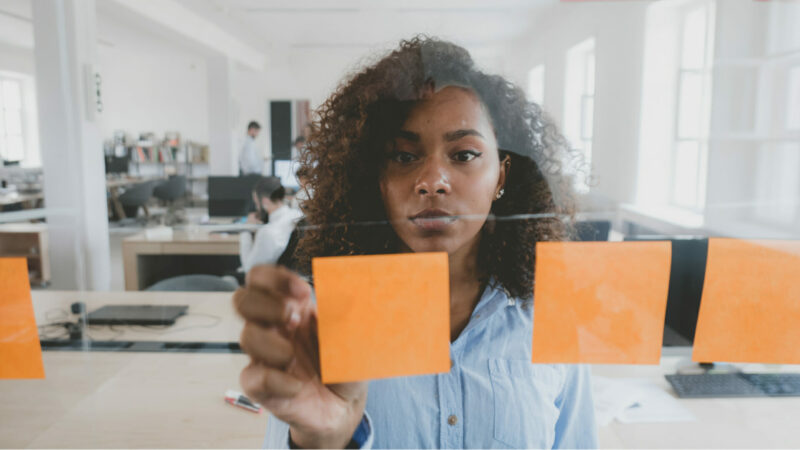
{"points": [[492, 397]]}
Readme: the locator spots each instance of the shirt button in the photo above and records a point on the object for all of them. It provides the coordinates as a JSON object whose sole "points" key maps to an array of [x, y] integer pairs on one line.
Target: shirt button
{"points": [[452, 420]]}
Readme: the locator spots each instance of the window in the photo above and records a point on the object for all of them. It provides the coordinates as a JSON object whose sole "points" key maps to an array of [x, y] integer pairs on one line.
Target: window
{"points": [[690, 148], [536, 85], [793, 100], [579, 104], [12, 144], [777, 183]]}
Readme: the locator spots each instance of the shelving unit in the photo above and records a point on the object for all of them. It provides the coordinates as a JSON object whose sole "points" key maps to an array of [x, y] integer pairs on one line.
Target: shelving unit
{"points": [[30, 241]]}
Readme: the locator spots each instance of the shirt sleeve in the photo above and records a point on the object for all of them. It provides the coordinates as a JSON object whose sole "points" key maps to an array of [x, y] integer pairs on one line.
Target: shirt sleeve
{"points": [[245, 248], [576, 426], [278, 433]]}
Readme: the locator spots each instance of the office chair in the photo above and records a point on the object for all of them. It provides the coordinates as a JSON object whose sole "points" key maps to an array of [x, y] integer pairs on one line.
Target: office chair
{"points": [[172, 189], [135, 197], [194, 283], [170, 192]]}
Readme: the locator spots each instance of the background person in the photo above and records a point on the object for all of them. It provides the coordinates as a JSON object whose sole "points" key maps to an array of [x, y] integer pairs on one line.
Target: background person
{"points": [[250, 160], [271, 238]]}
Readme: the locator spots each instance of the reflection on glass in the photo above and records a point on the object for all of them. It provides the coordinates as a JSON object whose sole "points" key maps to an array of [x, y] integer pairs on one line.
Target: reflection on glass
{"points": [[686, 170], [536, 84], [778, 183], [694, 40], [793, 100], [12, 97], [690, 105], [579, 104]]}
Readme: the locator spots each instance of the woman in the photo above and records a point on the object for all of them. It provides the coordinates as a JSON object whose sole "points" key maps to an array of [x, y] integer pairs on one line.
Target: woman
{"points": [[271, 239], [449, 159]]}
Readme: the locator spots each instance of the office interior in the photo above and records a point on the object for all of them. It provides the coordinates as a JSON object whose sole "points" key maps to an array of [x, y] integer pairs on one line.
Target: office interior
{"points": [[123, 122]]}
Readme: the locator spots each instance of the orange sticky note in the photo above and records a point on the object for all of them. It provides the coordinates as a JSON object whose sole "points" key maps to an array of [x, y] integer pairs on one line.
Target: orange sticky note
{"points": [[20, 351], [600, 302], [750, 310], [382, 316]]}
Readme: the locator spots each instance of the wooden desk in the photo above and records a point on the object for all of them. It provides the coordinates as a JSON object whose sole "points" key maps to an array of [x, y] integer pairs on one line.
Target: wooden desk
{"points": [[28, 200], [101, 400], [142, 268], [721, 422], [133, 400], [30, 241]]}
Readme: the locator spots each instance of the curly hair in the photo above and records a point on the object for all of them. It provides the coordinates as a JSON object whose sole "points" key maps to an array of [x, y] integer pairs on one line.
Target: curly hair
{"points": [[345, 153]]}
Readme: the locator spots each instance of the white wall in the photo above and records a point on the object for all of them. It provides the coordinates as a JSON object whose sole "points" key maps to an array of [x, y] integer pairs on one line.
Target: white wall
{"points": [[618, 28], [149, 84]]}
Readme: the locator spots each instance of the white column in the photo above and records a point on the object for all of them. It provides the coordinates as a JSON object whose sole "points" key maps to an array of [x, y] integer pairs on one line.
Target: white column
{"points": [[72, 156], [224, 154]]}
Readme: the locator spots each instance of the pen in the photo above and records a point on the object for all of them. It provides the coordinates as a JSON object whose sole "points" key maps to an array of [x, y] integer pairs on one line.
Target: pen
{"points": [[238, 399]]}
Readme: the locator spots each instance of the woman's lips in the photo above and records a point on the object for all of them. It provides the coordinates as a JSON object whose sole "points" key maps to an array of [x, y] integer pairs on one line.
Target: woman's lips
{"points": [[433, 219]]}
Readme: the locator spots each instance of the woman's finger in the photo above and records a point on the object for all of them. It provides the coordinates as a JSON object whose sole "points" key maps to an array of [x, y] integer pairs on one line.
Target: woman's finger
{"points": [[262, 307], [266, 345], [263, 383], [279, 281]]}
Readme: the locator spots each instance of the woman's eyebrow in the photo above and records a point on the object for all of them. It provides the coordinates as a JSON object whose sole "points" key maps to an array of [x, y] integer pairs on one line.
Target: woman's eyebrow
{"points": [[408, 135], [458, 134]]}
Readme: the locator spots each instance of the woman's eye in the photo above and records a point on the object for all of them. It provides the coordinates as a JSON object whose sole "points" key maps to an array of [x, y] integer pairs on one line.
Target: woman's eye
{"points": [[403, 157], [466, 155]]}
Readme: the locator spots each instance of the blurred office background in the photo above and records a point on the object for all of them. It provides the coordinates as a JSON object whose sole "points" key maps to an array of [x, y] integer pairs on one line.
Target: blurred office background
{"points": [[687, 112]]}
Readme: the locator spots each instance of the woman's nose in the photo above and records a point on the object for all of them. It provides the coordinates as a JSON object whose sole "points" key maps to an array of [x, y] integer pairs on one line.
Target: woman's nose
{"points": [[433, 178]]}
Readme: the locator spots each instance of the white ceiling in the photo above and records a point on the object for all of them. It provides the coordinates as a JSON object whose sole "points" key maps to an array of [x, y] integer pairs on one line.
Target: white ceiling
{"points": [[278, 28], [310, 24]]}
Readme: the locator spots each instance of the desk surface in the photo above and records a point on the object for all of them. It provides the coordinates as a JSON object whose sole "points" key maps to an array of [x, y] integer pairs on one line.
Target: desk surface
{"points": [[185, 236], [17, 197], [102, 399], [116, 182], [210, 317], [106, 400]]}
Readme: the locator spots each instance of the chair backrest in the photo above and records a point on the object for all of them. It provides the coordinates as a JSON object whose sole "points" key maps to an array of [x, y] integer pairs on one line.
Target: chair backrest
{"points": [[194, 283], [138, 194], [173, 188]]}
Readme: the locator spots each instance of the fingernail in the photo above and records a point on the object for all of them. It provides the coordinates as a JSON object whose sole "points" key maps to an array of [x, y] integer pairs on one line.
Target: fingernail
{"points": [[294, 319]]}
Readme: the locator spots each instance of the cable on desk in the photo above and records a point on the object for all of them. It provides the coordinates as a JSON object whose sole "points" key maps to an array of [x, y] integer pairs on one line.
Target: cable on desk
{"points": [[157, 329]]}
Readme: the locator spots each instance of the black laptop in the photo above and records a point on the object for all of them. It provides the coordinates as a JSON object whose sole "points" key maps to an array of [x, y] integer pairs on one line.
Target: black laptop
{"points": [[136, 315]]}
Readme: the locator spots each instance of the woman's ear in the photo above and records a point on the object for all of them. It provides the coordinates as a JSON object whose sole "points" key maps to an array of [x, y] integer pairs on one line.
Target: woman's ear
{"points": [[505, 168]]}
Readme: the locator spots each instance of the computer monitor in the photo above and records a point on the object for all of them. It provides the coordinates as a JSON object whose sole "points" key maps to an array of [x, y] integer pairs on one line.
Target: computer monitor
{"points": [[592, 230], [687, 274], [117, 164], [231, 196]]}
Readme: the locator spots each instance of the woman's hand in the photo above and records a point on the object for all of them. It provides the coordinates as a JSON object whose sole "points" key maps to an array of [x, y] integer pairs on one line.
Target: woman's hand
{"points": [[280, 335]]}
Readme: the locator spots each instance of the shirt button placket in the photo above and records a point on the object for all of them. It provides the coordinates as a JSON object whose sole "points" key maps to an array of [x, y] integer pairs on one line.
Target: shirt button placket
{"points": [[450, 412]]}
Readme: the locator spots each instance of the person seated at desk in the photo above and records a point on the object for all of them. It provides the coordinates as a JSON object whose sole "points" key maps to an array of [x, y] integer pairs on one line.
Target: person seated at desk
{"points": [[271, 239]]}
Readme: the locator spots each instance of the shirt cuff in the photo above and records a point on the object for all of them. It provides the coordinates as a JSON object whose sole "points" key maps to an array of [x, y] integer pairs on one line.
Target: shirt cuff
{"points": [[362, 437]]}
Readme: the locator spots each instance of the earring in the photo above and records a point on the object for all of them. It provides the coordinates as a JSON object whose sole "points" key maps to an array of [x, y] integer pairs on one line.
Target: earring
{"points": [[500, 194]]}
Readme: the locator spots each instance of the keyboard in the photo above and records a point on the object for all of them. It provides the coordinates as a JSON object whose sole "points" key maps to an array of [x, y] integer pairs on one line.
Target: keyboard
{"points": [[708, 385]]}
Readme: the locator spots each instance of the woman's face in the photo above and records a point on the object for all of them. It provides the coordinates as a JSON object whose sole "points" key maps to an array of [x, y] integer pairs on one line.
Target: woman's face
{"points": [[442, 173]]}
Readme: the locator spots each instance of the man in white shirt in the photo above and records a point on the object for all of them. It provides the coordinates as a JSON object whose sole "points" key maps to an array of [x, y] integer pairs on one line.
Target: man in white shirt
{"points": [[271, 239], [249, 160]]}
